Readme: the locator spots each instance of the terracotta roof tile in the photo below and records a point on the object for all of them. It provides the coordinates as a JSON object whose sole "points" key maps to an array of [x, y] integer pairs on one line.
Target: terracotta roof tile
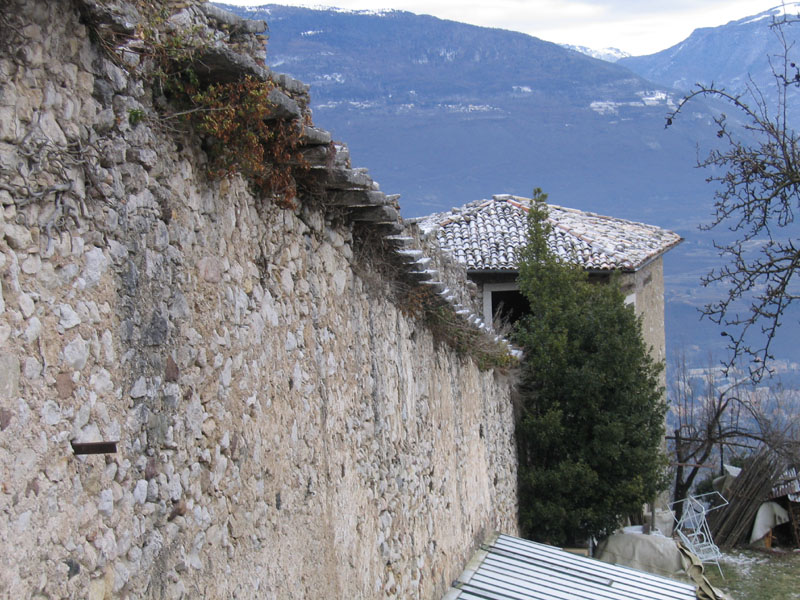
{"points": [[485, 235]]}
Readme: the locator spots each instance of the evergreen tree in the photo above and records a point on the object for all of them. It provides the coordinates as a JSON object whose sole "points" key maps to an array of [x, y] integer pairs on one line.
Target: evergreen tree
{"points": [[591, 417]]}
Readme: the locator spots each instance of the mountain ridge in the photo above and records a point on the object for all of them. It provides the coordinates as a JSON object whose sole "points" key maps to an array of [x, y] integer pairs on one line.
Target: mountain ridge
{"points": [[730, 56], [446, 113], [609, 54]]}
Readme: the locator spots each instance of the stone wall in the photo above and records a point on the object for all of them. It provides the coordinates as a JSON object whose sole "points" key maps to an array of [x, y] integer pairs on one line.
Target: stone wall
{"points": [[647, 284], [284, 429]]}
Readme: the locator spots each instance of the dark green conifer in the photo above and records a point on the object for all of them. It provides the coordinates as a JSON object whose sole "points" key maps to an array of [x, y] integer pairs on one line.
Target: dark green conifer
{"points": [[591, 416]]}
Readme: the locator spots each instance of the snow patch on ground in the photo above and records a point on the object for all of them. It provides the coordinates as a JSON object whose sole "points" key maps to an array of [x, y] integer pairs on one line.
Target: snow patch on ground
{"points": [[378, 12], [349, 103], [468, 108], [448, 54], [744, 563]]}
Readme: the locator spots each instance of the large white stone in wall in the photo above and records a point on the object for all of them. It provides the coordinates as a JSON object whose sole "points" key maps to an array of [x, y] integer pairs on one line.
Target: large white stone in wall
{"points": [[96, 264], [9, 376], [76, 353]]}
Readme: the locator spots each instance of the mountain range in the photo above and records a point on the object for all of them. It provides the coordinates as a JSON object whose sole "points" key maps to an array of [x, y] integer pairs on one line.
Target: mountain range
{"points": [[445, 113], [738, 56], [607, 54]]}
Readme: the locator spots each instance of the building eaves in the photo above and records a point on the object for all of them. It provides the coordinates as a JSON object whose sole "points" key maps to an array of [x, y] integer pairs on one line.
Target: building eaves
{"points": [[487, 235]]}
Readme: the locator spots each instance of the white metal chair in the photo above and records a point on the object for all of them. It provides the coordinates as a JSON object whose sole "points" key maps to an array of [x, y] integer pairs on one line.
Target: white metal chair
{"points": [[692, 527]]}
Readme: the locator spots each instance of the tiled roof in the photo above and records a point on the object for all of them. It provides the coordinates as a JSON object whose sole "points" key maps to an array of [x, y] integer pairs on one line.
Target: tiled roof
{"points": [[485, 235]]}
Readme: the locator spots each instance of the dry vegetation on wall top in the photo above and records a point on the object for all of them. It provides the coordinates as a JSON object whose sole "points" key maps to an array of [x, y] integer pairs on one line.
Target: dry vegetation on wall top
{"points": [[236, 119], [233, 117], [488, 352], [420, 301]]}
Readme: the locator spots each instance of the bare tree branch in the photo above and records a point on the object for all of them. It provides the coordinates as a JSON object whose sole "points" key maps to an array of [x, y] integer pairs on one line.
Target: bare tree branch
{"points": [[709, 419], [757, 170]]}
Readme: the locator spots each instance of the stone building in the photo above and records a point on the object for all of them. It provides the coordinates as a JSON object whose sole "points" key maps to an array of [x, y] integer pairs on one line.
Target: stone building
{"points": [[484, 236]]}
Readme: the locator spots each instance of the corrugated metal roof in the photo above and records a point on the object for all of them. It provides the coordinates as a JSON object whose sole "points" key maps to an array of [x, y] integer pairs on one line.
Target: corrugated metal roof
{"points": [[486, 235], [513, 568]]}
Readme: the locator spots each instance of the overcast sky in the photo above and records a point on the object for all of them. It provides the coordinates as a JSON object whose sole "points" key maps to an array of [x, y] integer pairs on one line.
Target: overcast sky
{"points": [[635, 26]]}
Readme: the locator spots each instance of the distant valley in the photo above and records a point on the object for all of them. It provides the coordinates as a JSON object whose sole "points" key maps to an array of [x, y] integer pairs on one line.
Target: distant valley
{"points": [[444, 113]]}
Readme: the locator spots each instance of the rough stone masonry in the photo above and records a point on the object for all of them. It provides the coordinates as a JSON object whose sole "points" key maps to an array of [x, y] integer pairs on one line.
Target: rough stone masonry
{"points": [[284, 428]]}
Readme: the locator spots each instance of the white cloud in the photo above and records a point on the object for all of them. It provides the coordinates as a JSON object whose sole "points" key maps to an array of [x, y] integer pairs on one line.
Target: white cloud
{"points": [[636, 26]]}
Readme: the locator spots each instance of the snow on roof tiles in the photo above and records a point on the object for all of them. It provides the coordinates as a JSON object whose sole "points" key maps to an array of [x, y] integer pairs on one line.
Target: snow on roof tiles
{"points": [[485, 235]]}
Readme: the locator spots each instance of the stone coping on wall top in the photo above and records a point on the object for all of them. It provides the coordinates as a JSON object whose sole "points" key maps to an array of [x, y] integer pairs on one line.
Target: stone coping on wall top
{"points": [[354, 189], [330, 173]]}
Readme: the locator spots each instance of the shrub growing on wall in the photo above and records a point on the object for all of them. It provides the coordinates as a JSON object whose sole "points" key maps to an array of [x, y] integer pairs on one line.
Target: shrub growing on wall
{"points": [[242, 137], [591, 416]]}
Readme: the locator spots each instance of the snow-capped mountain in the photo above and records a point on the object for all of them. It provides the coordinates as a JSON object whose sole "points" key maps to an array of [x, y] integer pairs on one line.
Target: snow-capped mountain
{"points": [[443, 112], [606, 54], [733, 56]]}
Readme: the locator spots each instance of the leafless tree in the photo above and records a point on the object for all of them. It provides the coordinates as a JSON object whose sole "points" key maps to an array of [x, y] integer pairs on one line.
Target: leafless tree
{"points": [[757, 169], [775, 415], [705, 417], [711, 417]]}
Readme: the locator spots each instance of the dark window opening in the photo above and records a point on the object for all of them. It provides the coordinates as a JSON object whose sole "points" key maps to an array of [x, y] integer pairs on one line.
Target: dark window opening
{"points": [[509, 306], [599, 277]]}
